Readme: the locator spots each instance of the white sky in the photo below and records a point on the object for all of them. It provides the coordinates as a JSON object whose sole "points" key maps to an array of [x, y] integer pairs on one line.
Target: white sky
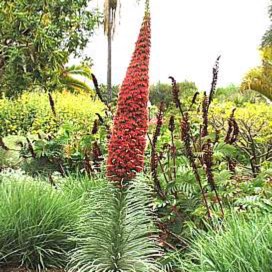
{"points": [[187, 36]]}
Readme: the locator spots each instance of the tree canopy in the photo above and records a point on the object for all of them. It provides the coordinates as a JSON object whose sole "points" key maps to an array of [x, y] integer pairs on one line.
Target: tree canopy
{"points": [[267, 38], [37, 38]]}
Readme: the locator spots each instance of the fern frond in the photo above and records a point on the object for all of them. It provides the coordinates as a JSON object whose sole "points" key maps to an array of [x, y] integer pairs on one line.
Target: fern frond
{"points": [[254, 202]]}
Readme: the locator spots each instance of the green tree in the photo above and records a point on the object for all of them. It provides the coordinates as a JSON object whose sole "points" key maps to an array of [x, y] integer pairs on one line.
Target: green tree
{"points": [[38, 37], [163, 92], [267, 38]]}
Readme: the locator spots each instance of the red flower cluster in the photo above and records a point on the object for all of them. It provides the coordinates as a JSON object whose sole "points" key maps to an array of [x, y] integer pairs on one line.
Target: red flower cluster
{"points": [[128, 140]]}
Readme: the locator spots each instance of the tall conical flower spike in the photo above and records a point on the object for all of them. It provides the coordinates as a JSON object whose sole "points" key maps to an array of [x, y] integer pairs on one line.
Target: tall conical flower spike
{"points": [[128, 140]]}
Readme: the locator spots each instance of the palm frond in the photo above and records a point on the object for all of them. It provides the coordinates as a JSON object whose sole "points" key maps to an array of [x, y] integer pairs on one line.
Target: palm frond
{"points": [[82, 70], [259, 79], [77, 84], [78, 77]]}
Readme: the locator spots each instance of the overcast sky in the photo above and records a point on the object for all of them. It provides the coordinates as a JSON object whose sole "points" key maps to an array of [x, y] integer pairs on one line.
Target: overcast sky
{"points": [[187, 36]]}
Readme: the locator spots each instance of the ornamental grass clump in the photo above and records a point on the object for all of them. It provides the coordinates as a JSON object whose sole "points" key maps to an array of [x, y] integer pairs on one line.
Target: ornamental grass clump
{"points": [[128, 140], [240, 244], [35, 223]]}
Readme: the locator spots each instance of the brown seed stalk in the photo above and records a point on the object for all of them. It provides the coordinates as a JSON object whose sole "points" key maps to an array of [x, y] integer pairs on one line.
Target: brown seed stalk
{"points": [[52, 104], [154, 156], [185, 128], [171, 128], [208, 165]]}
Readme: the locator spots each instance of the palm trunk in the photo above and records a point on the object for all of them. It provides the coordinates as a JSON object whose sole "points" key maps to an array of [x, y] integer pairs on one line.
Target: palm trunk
{"points": [[109, 89]]}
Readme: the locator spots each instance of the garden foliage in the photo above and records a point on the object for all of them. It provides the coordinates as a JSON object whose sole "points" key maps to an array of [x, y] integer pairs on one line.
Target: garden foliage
{"points": [[35, 223], [31, 113], [117, 232], [37, 39], [183, 183]]}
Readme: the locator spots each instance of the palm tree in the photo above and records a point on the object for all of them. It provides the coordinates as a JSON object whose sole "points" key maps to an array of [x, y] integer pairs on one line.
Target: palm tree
{"points": [[110, 8]]}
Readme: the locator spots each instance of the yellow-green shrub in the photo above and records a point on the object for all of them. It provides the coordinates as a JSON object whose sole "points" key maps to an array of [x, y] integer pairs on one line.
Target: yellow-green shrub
{"points": [[257, 117], [31, 113]]}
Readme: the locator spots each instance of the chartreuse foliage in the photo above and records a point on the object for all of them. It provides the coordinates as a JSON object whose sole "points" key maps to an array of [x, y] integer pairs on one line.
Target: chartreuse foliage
{"points": [[240, 244], [260, 78], [31, 113], [116, 232], [256, 116], [35, 222], [254, 143]]}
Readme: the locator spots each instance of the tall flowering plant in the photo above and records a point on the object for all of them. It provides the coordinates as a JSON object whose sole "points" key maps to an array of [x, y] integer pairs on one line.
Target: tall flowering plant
{"points": [[128, 140]]}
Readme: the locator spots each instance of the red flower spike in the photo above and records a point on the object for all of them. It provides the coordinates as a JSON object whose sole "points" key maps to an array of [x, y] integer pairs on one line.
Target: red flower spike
{"points": [[128, 140]]}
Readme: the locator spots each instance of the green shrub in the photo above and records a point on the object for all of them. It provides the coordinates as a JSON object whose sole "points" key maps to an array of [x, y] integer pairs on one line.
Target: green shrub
{"points": [[35, 223], [240, 244], [31, 113], [115, 233], [234, 94]]}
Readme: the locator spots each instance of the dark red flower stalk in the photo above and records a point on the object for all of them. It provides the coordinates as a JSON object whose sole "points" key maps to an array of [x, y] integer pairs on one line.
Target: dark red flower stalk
{"points": [[208, 162], [175, 93], [158, 124], [171, 125], [186, 138], [87, 165], [208, 165], [236, 131], [52, 104], [231, 138], [214, 80], [207, 100], [128, 140], [194, 100], [97, 155], [97, 89], [205, 113], [154, 156], [95, 127], [171, 128], [233, 129]]}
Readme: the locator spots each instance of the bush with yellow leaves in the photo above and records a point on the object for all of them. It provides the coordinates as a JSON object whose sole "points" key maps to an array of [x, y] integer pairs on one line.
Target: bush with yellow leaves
{"points": [[255, 126], [31, 113]]}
